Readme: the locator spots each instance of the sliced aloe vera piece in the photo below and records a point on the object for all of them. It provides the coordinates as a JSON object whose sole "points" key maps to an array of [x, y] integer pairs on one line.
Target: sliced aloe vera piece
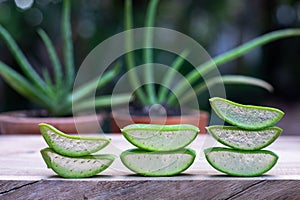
{"points": [[245, 116], [240, 163], [154, 137], [80, 167], [242, 139], [70, 145], [159, 163]]}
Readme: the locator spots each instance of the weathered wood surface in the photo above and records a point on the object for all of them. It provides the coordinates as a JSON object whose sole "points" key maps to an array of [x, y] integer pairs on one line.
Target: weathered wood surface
{"points": [[23, 175]]}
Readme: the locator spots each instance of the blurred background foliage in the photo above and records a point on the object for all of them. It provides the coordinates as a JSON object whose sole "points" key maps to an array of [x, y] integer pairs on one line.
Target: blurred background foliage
{"points": [[216, 25]]}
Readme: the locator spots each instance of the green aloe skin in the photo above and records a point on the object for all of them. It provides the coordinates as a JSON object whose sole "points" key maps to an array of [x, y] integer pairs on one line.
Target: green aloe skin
{"points": [[160, 149], [158, 163], [70, 156], [241, 163], [245, 116], [154, 137], [68, 145], [80, 167], [253, 130], [242, 139]]}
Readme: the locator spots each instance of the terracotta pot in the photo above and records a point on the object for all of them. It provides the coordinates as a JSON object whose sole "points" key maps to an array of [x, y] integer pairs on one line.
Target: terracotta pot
{"points": [[26, 122], [121, 118]]}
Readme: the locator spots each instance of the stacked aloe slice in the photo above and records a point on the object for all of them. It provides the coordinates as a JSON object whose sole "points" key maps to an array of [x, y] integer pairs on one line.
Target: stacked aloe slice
{"points": [[253, 130], [71, 156], [161, 148]]}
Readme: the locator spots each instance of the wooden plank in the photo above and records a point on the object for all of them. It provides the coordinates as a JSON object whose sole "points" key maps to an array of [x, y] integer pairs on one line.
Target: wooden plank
{"points": [[271, 189], [151, 189], [8, 186], [129, 189]]}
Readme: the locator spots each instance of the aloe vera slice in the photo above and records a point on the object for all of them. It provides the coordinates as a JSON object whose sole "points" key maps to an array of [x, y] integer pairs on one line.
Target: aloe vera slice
{"points": [[81, 167], [242, 139], [70, 145], [240, 163], [159, 163], [154, 137], [245, 116]]}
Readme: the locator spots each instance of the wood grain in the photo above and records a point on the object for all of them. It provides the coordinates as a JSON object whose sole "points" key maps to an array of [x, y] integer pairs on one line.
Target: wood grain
{"points": [[193, 189], [23, 175]]}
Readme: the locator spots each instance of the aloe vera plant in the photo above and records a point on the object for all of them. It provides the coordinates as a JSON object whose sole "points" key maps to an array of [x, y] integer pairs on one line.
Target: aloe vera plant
{"points": [[154, 94], [71, 145], [253, 131], [79, 167], [56, 94], [241, 163], [154, 137], [158, 163], [243, 139], [245, 116]]}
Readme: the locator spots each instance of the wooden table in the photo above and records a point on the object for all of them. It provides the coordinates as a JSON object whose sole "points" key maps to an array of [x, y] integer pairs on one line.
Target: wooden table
{"points": [[23, 175]]}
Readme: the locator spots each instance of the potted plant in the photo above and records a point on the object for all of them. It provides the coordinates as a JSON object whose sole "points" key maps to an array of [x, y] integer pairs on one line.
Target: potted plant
{"points": [[60, 102], [155, 97]]}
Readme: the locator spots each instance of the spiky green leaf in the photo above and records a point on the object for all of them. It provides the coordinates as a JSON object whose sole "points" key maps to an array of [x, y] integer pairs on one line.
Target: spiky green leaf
{"points": [[129, 57], [202, 69], [226, 79], [58, 75]]}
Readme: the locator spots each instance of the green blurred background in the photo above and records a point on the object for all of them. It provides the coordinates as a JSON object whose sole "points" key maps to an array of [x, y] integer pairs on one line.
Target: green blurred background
{"points": [[217, 25]]}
